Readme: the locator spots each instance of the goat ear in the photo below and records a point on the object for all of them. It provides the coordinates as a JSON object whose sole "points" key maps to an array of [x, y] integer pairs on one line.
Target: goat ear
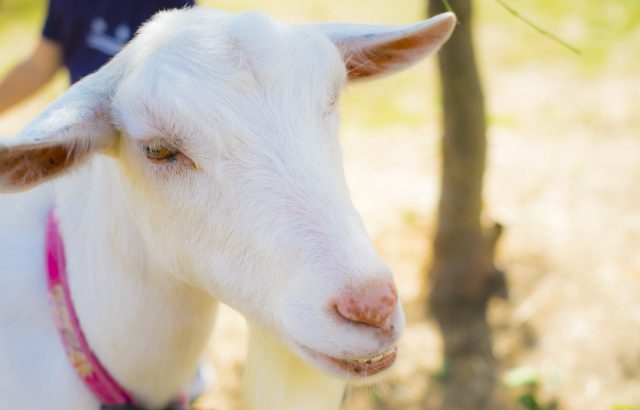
{"points": [[373, 51], [77, 124]]}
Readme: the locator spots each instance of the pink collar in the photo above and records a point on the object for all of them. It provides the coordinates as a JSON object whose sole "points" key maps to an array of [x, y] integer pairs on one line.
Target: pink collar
{"points": [[97, 379], [87, 366]]}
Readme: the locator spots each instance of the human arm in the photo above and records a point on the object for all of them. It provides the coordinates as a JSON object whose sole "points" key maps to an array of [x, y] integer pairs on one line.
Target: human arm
{"points": [[28, 76]]}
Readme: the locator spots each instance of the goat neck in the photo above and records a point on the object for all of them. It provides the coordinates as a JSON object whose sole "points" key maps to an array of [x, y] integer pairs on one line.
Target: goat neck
{"points": [[146, 327]]}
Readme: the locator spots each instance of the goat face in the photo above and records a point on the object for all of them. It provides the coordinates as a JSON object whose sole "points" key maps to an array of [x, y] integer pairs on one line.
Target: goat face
{"points": [[224, 134]]}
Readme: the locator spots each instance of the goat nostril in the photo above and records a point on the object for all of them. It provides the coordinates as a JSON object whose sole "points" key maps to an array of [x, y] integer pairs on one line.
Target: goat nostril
{"points": [[369, 305]]}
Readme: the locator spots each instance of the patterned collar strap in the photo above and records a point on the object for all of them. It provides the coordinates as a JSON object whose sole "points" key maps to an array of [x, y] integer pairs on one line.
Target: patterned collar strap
{"points": [[105, 389]]}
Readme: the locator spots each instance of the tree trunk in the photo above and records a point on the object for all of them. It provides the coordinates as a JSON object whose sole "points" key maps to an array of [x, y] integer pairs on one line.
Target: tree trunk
{"points": [[463, 275]]}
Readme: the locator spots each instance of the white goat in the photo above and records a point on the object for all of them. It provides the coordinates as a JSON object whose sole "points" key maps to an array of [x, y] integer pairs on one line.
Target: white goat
{"points": [[219, 179]]}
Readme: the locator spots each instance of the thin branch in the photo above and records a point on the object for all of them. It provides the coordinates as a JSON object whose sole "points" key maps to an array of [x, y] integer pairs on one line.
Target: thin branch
{"points": [[536, 27], [447, 5], [528, 22]]}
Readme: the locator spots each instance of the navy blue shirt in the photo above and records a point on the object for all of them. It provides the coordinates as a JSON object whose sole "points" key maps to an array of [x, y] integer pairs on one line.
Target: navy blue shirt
{"points": [[91, 32]]}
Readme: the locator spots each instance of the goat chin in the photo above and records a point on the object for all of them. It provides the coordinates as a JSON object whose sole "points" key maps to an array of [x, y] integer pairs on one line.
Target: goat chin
{"points": [[275, 378]]}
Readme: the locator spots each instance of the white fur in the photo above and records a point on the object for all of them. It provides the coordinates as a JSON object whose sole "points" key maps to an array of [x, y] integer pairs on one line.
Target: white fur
{"points": [[255, 213]]}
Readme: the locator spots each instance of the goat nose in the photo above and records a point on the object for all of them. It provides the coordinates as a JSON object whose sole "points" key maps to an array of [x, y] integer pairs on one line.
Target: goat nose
{"points": [[370, 304]]}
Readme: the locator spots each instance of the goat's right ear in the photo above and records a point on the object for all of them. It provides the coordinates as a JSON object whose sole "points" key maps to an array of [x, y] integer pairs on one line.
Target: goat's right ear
{"points": [[375, 51], [77, 124]]}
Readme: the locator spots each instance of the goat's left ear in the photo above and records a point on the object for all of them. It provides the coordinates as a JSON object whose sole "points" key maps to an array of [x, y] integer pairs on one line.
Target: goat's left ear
{"points": [[63, 136], [372, 51]]}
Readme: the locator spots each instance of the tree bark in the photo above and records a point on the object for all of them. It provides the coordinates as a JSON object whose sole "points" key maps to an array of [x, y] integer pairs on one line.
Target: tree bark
{"points": [[459, 237], [463, 274]]}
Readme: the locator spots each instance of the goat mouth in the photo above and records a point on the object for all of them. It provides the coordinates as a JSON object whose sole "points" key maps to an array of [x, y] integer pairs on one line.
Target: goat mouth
{"points": [[362, 367]]}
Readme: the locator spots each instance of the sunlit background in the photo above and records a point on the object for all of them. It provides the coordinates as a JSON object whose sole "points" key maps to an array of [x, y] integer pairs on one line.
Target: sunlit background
{"points": [[563, 177]]}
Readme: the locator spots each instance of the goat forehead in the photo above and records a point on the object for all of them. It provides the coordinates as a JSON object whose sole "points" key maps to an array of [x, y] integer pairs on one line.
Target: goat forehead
{"points": [[205, 43], [196, 72]]}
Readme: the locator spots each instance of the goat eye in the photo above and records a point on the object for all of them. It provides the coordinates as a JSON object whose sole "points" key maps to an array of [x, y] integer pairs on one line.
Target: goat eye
{"points": [[160, 150]]}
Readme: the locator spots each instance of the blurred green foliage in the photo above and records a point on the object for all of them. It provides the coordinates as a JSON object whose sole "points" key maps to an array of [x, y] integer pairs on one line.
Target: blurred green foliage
{"points": [[530, 402], [16, 12], [601, 30], [606, 32], [19, 21], [528, 381], [522, 376]]}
